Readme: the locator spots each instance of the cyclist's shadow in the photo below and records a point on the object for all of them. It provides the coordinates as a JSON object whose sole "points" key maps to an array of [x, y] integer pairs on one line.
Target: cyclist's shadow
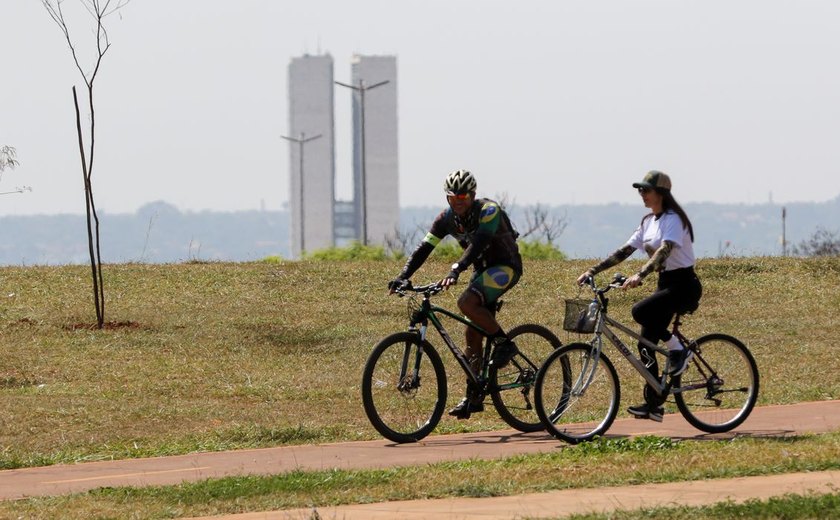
{"points": [[486, 438], [779, 434]]}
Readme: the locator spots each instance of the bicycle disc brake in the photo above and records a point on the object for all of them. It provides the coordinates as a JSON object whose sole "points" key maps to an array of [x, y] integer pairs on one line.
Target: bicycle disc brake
{"points": [[409, 385]]}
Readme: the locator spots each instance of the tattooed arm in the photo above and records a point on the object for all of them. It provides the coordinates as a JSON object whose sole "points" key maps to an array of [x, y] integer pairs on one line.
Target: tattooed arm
{"points": [[657, 260], [621, 254], [656, 263]]}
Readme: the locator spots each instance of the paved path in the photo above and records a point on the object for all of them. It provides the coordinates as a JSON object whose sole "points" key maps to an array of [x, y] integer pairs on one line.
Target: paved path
{"points": [[769, 421], [571, 501]]}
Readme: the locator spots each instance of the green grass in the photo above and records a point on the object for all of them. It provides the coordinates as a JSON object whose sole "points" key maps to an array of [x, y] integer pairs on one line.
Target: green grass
{"points": [[216, 356], [787, 507], [606, 462]]}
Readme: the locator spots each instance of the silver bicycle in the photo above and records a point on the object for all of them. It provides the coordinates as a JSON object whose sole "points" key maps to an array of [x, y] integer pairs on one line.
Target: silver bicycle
{"points": [[577, 392]]}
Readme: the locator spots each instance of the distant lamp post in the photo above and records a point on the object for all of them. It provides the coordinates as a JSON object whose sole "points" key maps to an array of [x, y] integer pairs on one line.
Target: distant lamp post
{"points": [[361, 88], [302, 140], [784, 237]]}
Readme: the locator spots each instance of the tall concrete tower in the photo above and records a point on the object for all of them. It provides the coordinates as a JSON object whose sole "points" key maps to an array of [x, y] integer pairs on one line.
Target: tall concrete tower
{"points": [[312, 189], [376, 193]]}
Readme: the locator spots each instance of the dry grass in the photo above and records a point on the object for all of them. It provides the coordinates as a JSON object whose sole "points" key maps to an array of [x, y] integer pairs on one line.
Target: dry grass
{"points": [[218, 356]]}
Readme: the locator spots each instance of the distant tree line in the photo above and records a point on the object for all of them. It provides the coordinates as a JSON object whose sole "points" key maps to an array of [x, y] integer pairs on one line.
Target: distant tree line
{"points": [[160, 233]]}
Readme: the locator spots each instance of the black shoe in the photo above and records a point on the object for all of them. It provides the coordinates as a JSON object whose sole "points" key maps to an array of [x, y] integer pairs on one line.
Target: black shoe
{"points": [[678, 361], [646, 411], [503, 353], [466, 407]]}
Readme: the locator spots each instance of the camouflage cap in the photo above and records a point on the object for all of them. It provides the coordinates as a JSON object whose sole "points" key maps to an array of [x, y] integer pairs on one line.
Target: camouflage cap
{"points": [[654, 179]]}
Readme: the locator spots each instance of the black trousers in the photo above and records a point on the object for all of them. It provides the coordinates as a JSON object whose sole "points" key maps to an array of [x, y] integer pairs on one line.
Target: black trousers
{"points": [[678, 291]]}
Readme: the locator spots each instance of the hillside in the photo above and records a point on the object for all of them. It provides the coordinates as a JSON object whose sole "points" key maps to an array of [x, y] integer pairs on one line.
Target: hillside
{"points": [[210, 356]]}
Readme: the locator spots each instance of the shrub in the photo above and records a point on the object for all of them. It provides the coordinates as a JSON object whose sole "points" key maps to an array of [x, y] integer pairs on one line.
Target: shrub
{"points": [[534, 250], [448, 250], [355, 251], [822, 243]]}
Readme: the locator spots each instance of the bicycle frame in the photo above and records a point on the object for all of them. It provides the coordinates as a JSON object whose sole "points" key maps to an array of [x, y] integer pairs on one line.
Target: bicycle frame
{"points": [[602, 327], [429, 312]]}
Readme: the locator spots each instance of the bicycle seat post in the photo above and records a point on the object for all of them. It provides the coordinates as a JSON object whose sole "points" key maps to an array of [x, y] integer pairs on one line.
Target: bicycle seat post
{"points": [[677, 322]]}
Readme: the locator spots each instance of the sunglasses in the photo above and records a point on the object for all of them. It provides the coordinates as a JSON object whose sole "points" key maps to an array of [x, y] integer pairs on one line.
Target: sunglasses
{"points": [[645, 189], [459, 196]]}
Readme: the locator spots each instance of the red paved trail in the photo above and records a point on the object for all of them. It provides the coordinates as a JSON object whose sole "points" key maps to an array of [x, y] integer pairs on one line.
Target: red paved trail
{"points": [[768, 421], [558, 504]]}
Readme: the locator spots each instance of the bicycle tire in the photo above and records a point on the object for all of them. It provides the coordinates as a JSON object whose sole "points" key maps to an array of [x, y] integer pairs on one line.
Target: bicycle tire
{"points": [[407, 412], [725, 379], [568, 413], [511, 386]]}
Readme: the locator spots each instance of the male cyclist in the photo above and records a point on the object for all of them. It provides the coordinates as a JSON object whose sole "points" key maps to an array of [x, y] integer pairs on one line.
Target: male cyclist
{"points": [[483, 230]]}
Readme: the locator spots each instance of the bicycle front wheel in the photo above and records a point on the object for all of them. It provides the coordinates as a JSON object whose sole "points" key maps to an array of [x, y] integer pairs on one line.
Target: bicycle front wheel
{"points": [[577, 393], [404, 387], [511, 387], [720, 386]]}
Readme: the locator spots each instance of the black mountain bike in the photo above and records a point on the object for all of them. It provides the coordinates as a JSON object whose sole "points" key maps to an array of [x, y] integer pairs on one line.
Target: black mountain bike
{"points": [[404, 384], [577, 390]]}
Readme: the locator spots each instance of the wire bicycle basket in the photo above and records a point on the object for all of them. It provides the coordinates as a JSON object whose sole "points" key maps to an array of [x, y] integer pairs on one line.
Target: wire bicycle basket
{"points": [[580, 315]]}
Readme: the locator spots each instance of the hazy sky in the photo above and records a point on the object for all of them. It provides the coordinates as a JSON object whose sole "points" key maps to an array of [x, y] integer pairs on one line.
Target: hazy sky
{"points": [[550, 101]]}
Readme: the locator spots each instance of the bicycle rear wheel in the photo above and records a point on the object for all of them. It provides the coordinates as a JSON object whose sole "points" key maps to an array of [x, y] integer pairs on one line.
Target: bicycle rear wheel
{"points": [[404, 387], [577, 394], [720, 386], [512, 385]]}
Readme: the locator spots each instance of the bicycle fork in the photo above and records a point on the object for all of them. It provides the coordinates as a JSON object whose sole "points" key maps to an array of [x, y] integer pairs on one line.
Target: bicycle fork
{"points": [[577, 389], [412, 381], [587, 371]]}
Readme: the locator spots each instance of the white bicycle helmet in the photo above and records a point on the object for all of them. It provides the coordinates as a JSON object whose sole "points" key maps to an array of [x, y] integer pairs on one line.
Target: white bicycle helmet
{"points": [[459, 181]]}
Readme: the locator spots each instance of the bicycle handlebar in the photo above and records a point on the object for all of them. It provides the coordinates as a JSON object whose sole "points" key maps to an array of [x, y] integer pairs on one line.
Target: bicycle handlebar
{"points": [[616, 283], [406, 288]]}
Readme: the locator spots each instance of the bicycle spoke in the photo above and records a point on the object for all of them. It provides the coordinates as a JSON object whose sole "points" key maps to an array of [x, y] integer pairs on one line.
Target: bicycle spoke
{"points": [[577, 395], [718, 391], [511, 387], [404, 388]]}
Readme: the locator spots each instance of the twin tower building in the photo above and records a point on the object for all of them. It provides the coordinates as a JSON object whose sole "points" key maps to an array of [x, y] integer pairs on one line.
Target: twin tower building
{"points": [[318, 220]]}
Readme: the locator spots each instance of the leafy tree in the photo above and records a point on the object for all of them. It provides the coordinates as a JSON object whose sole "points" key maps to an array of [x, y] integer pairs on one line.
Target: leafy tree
{"points": [[7, 158]]}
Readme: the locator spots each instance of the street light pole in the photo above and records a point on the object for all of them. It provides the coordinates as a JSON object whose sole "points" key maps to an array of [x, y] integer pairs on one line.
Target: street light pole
{"points": [[361, 88], [302, 140], [784, 238]]}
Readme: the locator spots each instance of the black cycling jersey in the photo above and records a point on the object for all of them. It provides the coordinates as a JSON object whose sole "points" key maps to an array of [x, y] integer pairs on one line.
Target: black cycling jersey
{"points": [[485, 233]]}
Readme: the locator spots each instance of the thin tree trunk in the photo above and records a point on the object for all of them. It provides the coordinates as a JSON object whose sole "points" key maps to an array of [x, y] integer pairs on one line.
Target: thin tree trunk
{"points": [[101, 308], [94, 267]]}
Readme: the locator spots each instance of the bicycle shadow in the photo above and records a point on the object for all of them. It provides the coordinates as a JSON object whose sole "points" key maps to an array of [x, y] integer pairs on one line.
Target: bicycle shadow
{"points": [[538, 441], [703, 436], [486, 438]]}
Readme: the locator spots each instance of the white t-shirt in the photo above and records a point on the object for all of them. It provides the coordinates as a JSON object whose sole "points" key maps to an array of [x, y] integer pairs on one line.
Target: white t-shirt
{"points": [[650, 234]]}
